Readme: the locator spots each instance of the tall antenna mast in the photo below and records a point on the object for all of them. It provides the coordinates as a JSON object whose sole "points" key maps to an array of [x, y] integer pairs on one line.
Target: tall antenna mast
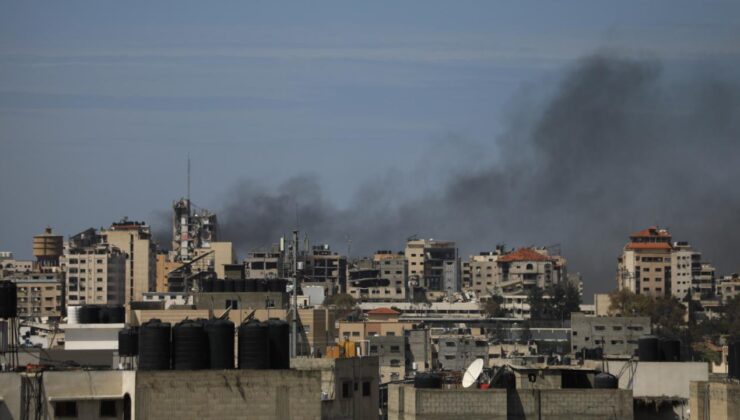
{"points": [[188, 178]]}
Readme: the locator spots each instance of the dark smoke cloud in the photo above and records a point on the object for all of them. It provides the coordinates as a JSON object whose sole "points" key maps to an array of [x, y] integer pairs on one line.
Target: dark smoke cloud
{"points": [[614, 148]]}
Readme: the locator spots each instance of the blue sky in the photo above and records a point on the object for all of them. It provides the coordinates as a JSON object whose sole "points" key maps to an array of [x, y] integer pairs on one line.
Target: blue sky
{"points": [[100, 102]]}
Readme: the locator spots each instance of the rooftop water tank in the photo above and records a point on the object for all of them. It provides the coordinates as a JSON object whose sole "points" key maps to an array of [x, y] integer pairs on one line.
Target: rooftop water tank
{"points": [[254, 348], [427, 380], [647, 348], [154, 345], [669, 350], [90, 314], [8, 299], [128, 342], [220, 343], [606, 381], [190, 345], [278, 336]]}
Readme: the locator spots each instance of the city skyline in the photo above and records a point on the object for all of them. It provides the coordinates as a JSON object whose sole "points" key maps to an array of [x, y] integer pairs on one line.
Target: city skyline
{"points": [[422, 107]]}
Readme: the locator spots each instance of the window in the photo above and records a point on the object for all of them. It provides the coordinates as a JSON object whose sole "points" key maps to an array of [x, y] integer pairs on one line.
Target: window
{"points": [[575, 333], [65, 409], [395, 363], [373, 349], [395, 349], [108, 408], [617, 328], [450, 357], [390, 334], [347, 389], [366, 389], [599, 328], [450, 343]]}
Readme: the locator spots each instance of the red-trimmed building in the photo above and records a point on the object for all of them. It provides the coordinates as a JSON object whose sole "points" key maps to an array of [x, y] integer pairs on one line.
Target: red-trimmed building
{"points": [[645, 265]]}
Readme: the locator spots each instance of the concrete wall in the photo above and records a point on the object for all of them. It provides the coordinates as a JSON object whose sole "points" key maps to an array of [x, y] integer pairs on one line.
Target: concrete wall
{"points": [[408, 403], [714, 401], [658, 379], [356, 371], [10, 391], [229, 394]]}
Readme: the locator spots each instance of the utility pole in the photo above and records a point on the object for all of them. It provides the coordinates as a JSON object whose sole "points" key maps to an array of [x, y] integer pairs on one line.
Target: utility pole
{"points": [[294, 344]]}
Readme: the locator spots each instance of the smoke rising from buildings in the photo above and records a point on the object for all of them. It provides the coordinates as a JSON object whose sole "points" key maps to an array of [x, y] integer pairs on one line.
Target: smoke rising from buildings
{"points": [[614, 148]]}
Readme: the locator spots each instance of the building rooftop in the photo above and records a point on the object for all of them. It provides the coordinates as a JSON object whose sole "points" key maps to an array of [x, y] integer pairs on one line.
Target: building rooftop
{"points": [[524, 254], [383, 311], [648, 245]]}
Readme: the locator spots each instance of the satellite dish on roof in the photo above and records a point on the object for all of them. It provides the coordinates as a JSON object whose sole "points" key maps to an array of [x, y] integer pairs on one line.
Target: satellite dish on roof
{"points": [[472, 373]]}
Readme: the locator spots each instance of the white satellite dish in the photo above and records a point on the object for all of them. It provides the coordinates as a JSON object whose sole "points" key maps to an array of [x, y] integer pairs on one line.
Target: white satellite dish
{"points": [[472, 373]]}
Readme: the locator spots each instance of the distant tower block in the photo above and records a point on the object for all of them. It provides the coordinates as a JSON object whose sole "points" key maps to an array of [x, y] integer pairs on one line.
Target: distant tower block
{"points": [[47, 249], [192, 227]]}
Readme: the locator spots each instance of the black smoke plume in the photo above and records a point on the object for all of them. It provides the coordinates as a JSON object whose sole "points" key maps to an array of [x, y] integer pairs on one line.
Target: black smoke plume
{"points": [[615, 147]]}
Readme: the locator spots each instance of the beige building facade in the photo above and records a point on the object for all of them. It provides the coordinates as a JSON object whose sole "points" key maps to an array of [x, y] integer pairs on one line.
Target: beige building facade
{"points": [[40, 294], [95, 275], [134, 240]]}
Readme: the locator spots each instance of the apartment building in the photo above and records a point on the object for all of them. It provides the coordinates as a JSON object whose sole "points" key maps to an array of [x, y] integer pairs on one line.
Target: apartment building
{"points": [[615, 335], [728, 287], [434, 266], [392, 266], [135, 241], [645, 265], [652, 265], [327, 268], [215, 256], [525, 268], [9, 265], [263, 264], [96, 274], [483, 269], [39, 294]]}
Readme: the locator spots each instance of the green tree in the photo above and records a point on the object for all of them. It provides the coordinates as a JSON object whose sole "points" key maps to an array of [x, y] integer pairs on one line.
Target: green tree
{"points": [[537, 306], [493, 307], [341, 301]]}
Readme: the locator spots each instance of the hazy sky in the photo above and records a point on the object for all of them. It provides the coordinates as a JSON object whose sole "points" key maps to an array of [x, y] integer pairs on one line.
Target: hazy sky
{"points": [[100, 102]]}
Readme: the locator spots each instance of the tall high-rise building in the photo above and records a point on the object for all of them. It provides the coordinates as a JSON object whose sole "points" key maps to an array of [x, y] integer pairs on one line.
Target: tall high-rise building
{"points": [[192, 228], [135, 241], [96, 271]]}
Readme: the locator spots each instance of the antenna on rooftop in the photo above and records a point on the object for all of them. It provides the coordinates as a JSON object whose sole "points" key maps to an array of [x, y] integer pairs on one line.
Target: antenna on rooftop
{"points": [[188, 178]]}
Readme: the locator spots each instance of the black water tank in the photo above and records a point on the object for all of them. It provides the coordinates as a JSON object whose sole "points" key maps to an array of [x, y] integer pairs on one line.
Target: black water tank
{"points": [[507, 380], [733, 359], [114, 314], [669, 350], [250, 285], [647, 348], [219, 286], [154, 345], [8, 299], [606, 381], [239, 285], [128, 342], [206, 285], [277, 285], [229, 285], [190, 345], [220, 343], [254, 348], [427, 380], [90, 314], [261, 286], [278, 335], [566, 360]]}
